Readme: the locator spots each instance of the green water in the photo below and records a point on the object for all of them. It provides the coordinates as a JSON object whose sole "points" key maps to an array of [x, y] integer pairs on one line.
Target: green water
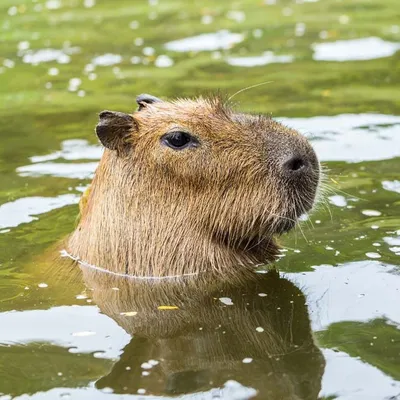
{"points": [[333, 69]]}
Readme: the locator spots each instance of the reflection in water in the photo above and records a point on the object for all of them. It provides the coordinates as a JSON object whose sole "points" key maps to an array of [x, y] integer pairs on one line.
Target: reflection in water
{"points": [[192, 336], [356, 49], [267, 57], [222, 39]]}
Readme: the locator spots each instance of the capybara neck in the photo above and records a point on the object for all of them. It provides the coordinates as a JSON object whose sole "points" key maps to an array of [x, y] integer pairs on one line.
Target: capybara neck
{"points": [[190, 186]]}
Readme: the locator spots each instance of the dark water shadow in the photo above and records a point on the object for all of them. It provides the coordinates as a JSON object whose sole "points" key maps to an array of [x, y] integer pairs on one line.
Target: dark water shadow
{"points": [[193, 336]]}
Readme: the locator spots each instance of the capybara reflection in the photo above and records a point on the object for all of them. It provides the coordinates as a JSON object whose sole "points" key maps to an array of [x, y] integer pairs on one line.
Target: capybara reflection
{"points": [[193, 336], [191, 186]]}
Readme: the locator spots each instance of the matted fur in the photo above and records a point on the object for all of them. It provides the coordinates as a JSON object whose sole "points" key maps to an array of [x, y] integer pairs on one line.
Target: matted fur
{"points": [[154, 211]]}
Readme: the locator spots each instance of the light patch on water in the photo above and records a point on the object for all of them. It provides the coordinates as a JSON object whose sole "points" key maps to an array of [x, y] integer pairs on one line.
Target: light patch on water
{"points": [[12, 11], [9, 63], [65, 326], [371, 213], [26, 209], [351, 137], [74, 84], [347, 378], [47, 55], [164, 61], [207, 19], [395, 250], [71, 150], [355, 291], [134, 24], [337, 200], [231, 390], [267, 57], [53, 4], [372, 254], [60, 170], [223, 39], [392, 241], [226, 300], [236, 15], [356, 49], [89, 3], [392, 186], [106, 60], [24, 45], [53, 71]]}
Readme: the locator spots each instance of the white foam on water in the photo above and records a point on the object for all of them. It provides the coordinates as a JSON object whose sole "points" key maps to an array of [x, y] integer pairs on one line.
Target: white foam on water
{"points": [[267, 57], [223, 39], [26, 209], [355, 49]]}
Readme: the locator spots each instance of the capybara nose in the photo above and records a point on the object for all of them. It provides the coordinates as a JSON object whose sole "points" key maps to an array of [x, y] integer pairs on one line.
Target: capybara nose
{"points": [[300, 163], [295, 164]]}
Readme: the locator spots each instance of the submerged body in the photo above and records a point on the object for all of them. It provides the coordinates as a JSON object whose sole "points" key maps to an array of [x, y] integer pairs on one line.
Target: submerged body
{"points": [[191, 186]]}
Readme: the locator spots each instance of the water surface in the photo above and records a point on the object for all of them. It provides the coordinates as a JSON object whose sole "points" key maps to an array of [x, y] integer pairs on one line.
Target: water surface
{"points": [[333, 72]]}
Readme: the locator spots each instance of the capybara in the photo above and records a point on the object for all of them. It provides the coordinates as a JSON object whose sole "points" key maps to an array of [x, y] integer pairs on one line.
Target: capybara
{"points": [[192, 186]]}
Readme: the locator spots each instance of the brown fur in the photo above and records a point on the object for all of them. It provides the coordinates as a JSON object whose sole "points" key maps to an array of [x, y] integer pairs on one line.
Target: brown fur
{"points": [[153, 211]]}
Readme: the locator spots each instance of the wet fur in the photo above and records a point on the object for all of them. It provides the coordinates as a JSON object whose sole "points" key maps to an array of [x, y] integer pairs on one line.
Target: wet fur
{"points": [[153, 211]]}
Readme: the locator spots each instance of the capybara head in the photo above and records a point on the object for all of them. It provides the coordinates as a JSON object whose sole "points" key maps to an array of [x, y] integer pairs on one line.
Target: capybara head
{"points": [[190, 186]]}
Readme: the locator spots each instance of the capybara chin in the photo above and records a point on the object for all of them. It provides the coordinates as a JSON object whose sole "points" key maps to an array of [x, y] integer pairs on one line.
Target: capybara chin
{"points": [[189, 186]]}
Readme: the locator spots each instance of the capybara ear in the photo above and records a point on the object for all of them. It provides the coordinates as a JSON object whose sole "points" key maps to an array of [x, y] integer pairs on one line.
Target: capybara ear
{"points": [[114, 128], [144, 99]]}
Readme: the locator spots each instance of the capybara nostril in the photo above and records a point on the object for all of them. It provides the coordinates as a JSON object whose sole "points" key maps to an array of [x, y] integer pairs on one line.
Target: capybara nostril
{"points": [[295, 164]]}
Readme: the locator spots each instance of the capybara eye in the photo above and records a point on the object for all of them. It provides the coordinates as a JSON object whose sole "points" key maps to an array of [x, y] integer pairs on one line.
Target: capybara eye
{"points": [[179, 140]]}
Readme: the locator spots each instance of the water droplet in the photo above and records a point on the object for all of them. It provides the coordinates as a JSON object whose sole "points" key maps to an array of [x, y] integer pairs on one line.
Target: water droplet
{"points": [[43, 285], [89, 3], [207, 19], [344, 19], [138, 41], [24, 45], [226, 300], [373, 255], [164, 61], [371, 213], [148, 51], [12, 11], [53, 4], [74, 84], [247, 360], [8, 63], [134, 25], [53, 71]]}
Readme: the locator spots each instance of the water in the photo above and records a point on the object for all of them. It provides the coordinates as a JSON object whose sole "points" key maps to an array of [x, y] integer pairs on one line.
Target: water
{"points": [[328, 328]]}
